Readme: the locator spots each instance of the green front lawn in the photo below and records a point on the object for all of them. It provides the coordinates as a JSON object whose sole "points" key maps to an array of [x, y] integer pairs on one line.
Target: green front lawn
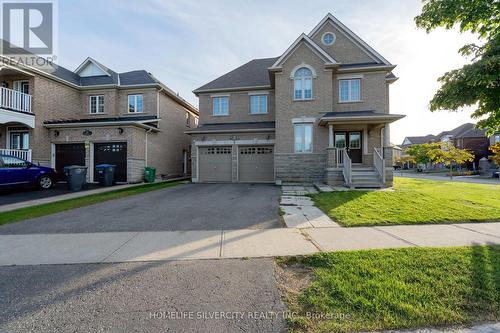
{"points": [[413, 201], [392, 289], [56, 207]]}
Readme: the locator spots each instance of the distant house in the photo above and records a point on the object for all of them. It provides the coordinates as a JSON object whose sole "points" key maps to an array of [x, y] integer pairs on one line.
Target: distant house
{"points": [[465, 136]]}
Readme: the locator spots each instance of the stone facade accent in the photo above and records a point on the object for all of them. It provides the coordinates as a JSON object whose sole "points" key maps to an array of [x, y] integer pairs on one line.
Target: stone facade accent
{"points": [[300, 167]]}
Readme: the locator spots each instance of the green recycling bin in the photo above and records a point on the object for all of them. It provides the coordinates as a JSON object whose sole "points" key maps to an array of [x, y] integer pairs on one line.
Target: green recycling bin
{"points": [[149, 174]]}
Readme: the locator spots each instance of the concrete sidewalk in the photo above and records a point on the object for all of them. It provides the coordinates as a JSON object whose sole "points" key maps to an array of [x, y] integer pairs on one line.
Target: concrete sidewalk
{"points": [[183, 245]]}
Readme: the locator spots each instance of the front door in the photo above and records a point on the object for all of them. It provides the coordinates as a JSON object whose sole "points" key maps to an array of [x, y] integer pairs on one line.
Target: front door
{"points": [[352, 141]]}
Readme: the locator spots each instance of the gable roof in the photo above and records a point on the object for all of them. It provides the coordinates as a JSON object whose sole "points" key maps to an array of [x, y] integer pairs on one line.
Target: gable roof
{"points": [[312, 45], [351, 36], [415, 140], [253, 74]]}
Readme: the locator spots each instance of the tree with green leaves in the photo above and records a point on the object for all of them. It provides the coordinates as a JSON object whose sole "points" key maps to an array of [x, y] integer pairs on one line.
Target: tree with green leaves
{"points": [[450, 155], [420, 153], [476, 84]]}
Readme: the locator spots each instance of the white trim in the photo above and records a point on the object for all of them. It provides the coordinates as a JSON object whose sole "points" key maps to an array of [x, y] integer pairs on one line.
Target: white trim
{"points": [[309, 67], [197, 91], [53, 155], [303, 138], [349, 91], [212, 98], [86, 62], [303, 120], [259, 96], [232, 142], [350, 35], [141, 124], [9, 116], [135, 103], [349, 76], [326, 33], [251, 93], [91, 162], [328, 59], [98, 97]]}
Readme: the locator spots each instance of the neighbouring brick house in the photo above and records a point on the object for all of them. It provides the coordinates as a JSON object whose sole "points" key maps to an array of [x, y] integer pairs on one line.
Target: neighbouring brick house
{"points": [[317, 113], [57, 117], [465, 136]]}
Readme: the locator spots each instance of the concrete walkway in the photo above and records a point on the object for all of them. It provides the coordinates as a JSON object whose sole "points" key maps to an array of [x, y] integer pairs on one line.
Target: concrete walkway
{"points": [[183, 245]]}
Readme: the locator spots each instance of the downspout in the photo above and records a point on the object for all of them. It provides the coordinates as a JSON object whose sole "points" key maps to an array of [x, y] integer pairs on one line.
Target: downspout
{"points": [[146, 148]]}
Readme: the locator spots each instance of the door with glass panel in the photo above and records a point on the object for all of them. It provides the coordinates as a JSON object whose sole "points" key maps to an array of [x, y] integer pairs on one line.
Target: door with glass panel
{"points": [[352, 142]]}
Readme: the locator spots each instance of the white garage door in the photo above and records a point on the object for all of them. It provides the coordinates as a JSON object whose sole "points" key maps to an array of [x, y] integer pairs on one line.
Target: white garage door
{"points": [[256, 164], [215, 164]]}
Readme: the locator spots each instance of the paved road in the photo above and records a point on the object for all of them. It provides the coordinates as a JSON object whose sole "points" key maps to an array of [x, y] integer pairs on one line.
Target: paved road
{"points": [[134, 297], [184, 207], [461, 179]]}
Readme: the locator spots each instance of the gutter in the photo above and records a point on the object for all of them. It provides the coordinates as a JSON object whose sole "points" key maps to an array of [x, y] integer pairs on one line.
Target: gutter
{"points": [[102, 124], [232, 131]]}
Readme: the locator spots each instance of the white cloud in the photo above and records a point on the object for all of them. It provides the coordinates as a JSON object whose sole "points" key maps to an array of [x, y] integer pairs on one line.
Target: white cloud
{"points": [[187, 43]]}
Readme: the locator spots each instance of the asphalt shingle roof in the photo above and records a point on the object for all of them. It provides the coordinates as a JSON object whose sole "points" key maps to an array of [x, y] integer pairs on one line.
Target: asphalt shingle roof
{"points": [[234, 126], [252, 74]]}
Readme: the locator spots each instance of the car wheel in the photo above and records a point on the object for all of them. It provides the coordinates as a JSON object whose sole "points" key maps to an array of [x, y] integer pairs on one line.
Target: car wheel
{"points": [[45, 182]]}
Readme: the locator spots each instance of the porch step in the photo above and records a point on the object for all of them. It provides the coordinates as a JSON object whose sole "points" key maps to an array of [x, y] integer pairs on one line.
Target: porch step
{"points": [[365, 177]]}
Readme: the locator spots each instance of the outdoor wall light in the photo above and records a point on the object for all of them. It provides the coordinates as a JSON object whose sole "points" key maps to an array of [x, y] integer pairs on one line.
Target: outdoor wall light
{"points": [[87, 132], [56, 133], [120, 130]]}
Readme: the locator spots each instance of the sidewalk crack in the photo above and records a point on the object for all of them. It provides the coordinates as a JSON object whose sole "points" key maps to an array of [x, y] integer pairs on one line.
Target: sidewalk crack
{"points": [[119, 247], [479, 232], [397, 237], [308, 237]]}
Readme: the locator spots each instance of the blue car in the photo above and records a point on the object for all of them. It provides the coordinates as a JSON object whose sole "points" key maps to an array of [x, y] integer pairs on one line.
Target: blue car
{"points": [[16, 172]]}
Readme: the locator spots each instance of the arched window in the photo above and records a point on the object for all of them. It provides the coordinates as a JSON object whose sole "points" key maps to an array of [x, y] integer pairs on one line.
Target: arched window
{"points": [[303, 83]]}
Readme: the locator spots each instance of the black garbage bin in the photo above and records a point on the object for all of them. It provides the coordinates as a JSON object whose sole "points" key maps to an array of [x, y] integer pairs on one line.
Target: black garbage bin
{"points": [[105, 174], [76, 177]]}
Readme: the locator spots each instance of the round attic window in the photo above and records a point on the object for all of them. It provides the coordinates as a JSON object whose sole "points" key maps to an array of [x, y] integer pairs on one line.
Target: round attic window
{"points": [[328, 38]]}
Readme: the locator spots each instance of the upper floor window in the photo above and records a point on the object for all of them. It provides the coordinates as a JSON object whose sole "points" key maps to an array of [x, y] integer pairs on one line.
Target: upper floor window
{"points": [[258, 104], [220, 106], [135, 103], [303, 84], [303, 134], [350, 90], [188, 123], [97, 104], [196, 121], [328, 38]]}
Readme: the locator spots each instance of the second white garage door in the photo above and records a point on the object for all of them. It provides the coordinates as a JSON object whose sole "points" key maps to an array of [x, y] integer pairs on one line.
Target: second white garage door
{"points": [[215, 164], [256, 164]]}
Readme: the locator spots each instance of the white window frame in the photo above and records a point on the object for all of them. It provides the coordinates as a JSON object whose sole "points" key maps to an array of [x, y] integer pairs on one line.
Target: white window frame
{"points": [[135, 96], [349, 90], [302, 150], [258, 96], [302, 80], [219, 106], [328, 33], [196, 121], [188, 121], [97, 99]]}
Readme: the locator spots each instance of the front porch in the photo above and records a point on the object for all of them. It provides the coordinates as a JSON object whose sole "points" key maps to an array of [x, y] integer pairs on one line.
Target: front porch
{"points": [[359, 152]]}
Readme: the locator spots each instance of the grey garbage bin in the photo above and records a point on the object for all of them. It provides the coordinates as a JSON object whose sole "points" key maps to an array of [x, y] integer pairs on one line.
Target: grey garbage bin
{"points": [[105, 174], [76, 177]]}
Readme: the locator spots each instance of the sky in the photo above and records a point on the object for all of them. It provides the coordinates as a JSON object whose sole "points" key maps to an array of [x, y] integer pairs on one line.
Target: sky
{"points": [[188, 43]]}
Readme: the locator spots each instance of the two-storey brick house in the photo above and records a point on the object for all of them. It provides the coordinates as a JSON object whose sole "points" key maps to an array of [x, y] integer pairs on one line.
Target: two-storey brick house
{"points": [[57, 117], [319, 112]]}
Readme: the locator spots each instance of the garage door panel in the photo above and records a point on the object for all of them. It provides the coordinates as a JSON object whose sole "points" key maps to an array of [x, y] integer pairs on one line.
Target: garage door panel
{"points": [[215, 164], [256, 164], [68, 154], [112, 153]]}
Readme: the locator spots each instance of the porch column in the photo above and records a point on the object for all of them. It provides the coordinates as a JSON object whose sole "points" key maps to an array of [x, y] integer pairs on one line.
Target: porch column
{"points": [[387, 135], [330, 136]]}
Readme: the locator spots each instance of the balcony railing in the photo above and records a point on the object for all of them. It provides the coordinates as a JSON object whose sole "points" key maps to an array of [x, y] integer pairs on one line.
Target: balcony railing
{"points": [[15, 100], [25, 154]]}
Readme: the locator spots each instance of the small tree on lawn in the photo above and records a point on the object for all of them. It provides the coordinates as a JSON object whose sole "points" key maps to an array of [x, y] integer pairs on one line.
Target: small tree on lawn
{"points": [[495, 149], [419, 154], [448, 154]]}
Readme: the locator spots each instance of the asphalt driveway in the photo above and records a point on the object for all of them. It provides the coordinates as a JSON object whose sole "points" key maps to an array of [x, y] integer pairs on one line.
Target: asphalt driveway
{"points": [[187, 296], [181, 208]]}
